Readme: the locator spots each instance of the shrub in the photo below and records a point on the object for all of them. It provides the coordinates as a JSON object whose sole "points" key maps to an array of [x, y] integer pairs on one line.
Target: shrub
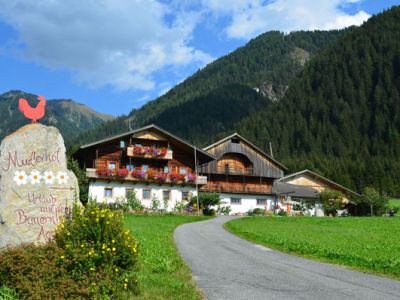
{"points": [[35, 272], [282, 213], [209, 211], [332, 201], [155, 204], [375, 202], [133, 202], [97, 247], [206, 201], [225, 210], [7, 294], [259, 211]]}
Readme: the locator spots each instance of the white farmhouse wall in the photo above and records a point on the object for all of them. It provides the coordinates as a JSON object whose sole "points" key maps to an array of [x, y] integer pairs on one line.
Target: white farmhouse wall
{"points": [[97, 191], [248, 202]]}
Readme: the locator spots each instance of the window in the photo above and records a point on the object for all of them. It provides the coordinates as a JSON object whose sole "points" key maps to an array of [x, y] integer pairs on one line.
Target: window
{"points": [[112, 165], [146, 194], [108, 192], [236, 201], [182, 170], [185, 195], [261, 201], [226, 168], [130, 167], [129, 191], [166, 195]]}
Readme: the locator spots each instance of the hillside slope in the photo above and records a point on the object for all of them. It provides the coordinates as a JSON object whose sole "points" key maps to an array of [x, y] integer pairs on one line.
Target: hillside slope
{"points": [[266, 63], [69, 117], [341, 114]]}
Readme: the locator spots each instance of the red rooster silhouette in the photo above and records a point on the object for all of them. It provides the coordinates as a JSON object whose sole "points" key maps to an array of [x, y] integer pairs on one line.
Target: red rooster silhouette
{"points": [[32, 113]]}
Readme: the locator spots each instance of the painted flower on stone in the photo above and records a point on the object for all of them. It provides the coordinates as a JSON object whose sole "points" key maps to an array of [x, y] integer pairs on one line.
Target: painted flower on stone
{"points": [[49, 177], [35, 177], [62, 177], [20, 177]]}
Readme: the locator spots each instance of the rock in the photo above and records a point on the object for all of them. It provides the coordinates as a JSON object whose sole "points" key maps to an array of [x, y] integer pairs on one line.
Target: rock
{"points": [[36, 188]]}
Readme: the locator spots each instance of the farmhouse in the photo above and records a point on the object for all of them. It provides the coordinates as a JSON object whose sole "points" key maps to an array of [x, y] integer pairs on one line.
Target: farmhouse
{"points": [[157, 165], [149, 161], [242, 173]]}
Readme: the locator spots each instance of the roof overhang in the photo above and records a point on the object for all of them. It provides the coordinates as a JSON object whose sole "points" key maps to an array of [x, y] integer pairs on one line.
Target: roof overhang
{"points": [[203, 155], [257, 149]]}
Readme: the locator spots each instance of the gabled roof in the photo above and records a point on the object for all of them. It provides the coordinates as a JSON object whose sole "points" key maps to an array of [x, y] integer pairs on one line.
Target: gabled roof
{"points": [[320, 177], [150, 127], [249, 144]]}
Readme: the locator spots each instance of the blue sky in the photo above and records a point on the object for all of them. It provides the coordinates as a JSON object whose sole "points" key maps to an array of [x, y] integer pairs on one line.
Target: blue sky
{"points": [[115, 55]]}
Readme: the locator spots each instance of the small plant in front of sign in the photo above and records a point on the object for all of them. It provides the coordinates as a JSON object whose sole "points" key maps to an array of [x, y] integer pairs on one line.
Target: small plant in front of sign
{"points": [[98, 246]]}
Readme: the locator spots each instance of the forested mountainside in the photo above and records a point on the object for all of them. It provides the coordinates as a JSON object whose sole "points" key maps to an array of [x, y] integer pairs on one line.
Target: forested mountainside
{"points": [[266, 63], [341, 114], [69, 117]]}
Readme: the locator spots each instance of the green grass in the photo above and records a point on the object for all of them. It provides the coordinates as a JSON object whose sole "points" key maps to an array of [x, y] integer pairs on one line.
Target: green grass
{"points": [[394, 203], [162, 273], [366, 244]]}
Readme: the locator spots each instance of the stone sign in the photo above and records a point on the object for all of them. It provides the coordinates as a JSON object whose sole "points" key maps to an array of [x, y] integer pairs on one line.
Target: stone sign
{"points": [[36, 188]]}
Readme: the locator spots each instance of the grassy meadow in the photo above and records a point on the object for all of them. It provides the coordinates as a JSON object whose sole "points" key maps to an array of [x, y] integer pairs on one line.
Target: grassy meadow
{"points": [[366, 244], [162, 273], [394, 203]]}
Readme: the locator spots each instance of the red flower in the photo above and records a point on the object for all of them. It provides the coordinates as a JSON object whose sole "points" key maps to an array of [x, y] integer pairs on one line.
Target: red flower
{"points": [[174, 177], [123, 172]]}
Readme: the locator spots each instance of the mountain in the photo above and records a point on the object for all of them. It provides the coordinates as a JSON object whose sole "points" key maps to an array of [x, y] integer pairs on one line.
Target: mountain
{"points": [[69, 117], [341, 113], [265, 64], [332, 101]]}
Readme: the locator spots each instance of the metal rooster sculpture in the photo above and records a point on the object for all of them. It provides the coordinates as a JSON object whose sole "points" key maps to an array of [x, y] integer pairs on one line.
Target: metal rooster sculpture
{"points": [[32, 113]]}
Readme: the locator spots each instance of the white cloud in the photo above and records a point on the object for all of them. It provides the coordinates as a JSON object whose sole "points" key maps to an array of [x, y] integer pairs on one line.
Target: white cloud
{"points": [[249, 18], [104, 42]]}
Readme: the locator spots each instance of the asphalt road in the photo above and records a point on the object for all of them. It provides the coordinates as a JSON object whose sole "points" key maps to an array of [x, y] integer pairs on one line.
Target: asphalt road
{"points": [[227, 267]]}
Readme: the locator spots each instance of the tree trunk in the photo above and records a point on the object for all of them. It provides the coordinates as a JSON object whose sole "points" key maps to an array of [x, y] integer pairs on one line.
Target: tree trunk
{"points": [[372, 210]]}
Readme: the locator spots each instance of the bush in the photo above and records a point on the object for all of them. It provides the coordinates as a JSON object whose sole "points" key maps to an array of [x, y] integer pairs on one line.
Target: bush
{"points": [[35, 272], [259, 211], [206, 200], [92, 256], [7, 294], [225, 210], [332, 201], [208, 211], [97, 246], [282, 213]]}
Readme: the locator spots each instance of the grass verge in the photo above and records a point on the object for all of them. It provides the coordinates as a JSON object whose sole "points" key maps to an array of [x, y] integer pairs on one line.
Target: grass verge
{"points": [[162, 273], [366, 244]]}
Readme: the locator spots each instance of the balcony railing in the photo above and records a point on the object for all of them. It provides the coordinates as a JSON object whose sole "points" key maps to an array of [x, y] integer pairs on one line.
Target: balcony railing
{"points": [[233, 171], [150, 176], [149, 152], [236, 188]]}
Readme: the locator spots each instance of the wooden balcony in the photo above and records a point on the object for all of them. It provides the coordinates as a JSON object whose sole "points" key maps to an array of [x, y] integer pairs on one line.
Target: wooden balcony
{"points": [[235, 171], [237, 188], [149, 152], [155, 178]]}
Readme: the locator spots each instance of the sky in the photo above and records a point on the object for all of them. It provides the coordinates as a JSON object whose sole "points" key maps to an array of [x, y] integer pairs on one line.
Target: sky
{"points": [[116, 55]]}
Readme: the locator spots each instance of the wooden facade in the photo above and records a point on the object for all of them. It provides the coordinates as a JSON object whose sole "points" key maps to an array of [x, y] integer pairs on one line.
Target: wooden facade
{"points": [[240, 167], [149, 150]]}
